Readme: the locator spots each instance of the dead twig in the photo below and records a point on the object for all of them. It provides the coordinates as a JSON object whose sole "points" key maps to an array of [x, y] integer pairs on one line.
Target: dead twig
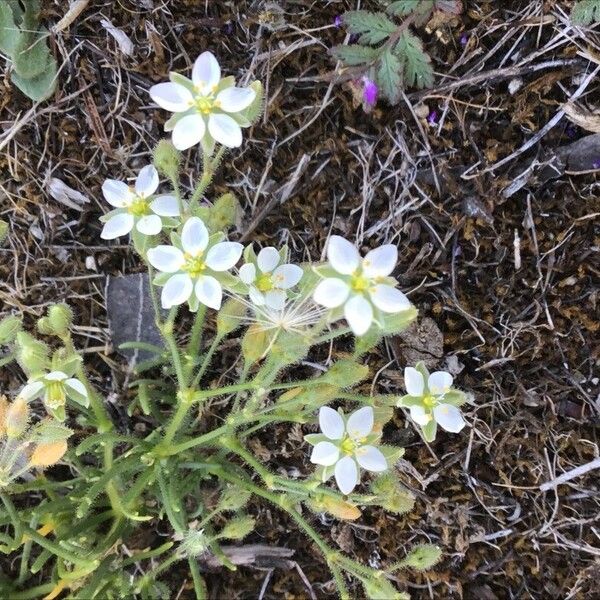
{"points": [[568, 475]]}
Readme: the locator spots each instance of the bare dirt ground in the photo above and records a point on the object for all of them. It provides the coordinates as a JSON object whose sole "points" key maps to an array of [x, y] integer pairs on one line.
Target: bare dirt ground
{"points": [[481, 182]]}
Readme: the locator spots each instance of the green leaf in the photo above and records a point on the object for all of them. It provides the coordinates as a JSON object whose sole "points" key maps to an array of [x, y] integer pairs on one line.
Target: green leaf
{"points": [[49, 431], [415, 64], [355, 54], [585, 12], [389, 76], [237, 528], [403, 8], [9, 32], [346, 373], [372, 27], [233, 498]]}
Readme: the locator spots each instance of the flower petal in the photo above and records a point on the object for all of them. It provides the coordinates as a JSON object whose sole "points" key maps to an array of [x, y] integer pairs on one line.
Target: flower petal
{"points": [[172, 97], [388, 299], [225, 130], [275, 299], [343, 256], [31, 390], [449, 417], [381, 261], [76, 386], [331, 292], [209, 292], [371, 459], [118, 225], [166, 259], [346, 474], [188, 131], [165, 206], [287, 276], [146, 182], [331, 423], [149, 225], [413, 382], [224, 255], [325, 453], [359, 314], [206, 72], [235, 99], [117, 193], [56, 376], [360, 423], [247, 273], [177, 290], [194, 236], [257, 297], [267, 259], [419, 415], [439, 382]]}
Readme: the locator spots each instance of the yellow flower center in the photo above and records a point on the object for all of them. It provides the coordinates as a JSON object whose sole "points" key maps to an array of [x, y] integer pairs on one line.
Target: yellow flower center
{"points": [[206, 104], [359, 283], [55, 394], [139, 207], [429, 401], [194, 265], [348, 446], [265, 282]]}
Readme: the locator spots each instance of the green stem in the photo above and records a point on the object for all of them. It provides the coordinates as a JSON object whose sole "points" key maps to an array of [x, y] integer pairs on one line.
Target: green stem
{"points": [[199, 583], [40, 540], [207, 358], [208, 171], [195, 343], [175, 424]]}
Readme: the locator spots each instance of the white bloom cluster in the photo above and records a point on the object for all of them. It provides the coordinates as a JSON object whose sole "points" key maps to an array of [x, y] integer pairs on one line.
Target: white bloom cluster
{"points": [[207, 109], [347, 445]]}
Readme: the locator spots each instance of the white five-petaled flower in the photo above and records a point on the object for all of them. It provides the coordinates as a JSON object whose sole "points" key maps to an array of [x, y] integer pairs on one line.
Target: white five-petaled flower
{"points": [[360, 285], [205, 106], [194, 268], [136, 207], [431, 405], [347, 446], [268, 281], [55, 387]]}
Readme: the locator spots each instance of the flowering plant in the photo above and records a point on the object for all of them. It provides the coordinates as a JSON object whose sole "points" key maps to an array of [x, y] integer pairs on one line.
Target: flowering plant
{"points": [[196, 474]]}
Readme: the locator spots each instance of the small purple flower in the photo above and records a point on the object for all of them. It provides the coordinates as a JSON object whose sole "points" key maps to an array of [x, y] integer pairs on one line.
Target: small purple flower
{"points": [[338, 21], [596, 164], [370, 91], [571, 130], [464, 39], [432, 118]]}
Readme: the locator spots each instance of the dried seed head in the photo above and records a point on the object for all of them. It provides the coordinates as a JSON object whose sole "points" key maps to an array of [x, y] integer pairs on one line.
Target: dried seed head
{"points": [[48, 454], [3, 409]]}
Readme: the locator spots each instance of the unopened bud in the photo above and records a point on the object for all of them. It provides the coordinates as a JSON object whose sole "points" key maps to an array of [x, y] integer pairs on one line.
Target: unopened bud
{"points": [[48, 454], [237, 528], [340, 508], [9, 327], [167, 159], [423, 557], [32, 354], [60, 317], [17, 418]]}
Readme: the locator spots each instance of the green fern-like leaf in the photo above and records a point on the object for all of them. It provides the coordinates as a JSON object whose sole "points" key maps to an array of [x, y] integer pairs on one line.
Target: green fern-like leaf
{"points": [[403, 8], [372, 27], [415, 63], [355, 54], [586, 12], [389, 76]]}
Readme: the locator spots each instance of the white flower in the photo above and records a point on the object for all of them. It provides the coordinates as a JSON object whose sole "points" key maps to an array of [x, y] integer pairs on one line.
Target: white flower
{"points": [[136, 207], [268, 281], [347, 446], [426, 402], [362, 286], [193, 270], [54, 388], [206, 108]]}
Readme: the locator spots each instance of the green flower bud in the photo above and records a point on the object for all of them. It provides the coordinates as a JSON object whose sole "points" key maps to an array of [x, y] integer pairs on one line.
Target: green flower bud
{"points": [[9, 327], [423, 557], [237, 528], [32, 354], [60, 317], [229, 318], [44, 327], [224, 213], [377, 588], [234, 498], [167, 159]]}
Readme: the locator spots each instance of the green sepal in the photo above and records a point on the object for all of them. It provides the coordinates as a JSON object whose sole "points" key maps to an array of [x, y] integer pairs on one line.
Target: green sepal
{"points": [[429, 431], [314, 438]]}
